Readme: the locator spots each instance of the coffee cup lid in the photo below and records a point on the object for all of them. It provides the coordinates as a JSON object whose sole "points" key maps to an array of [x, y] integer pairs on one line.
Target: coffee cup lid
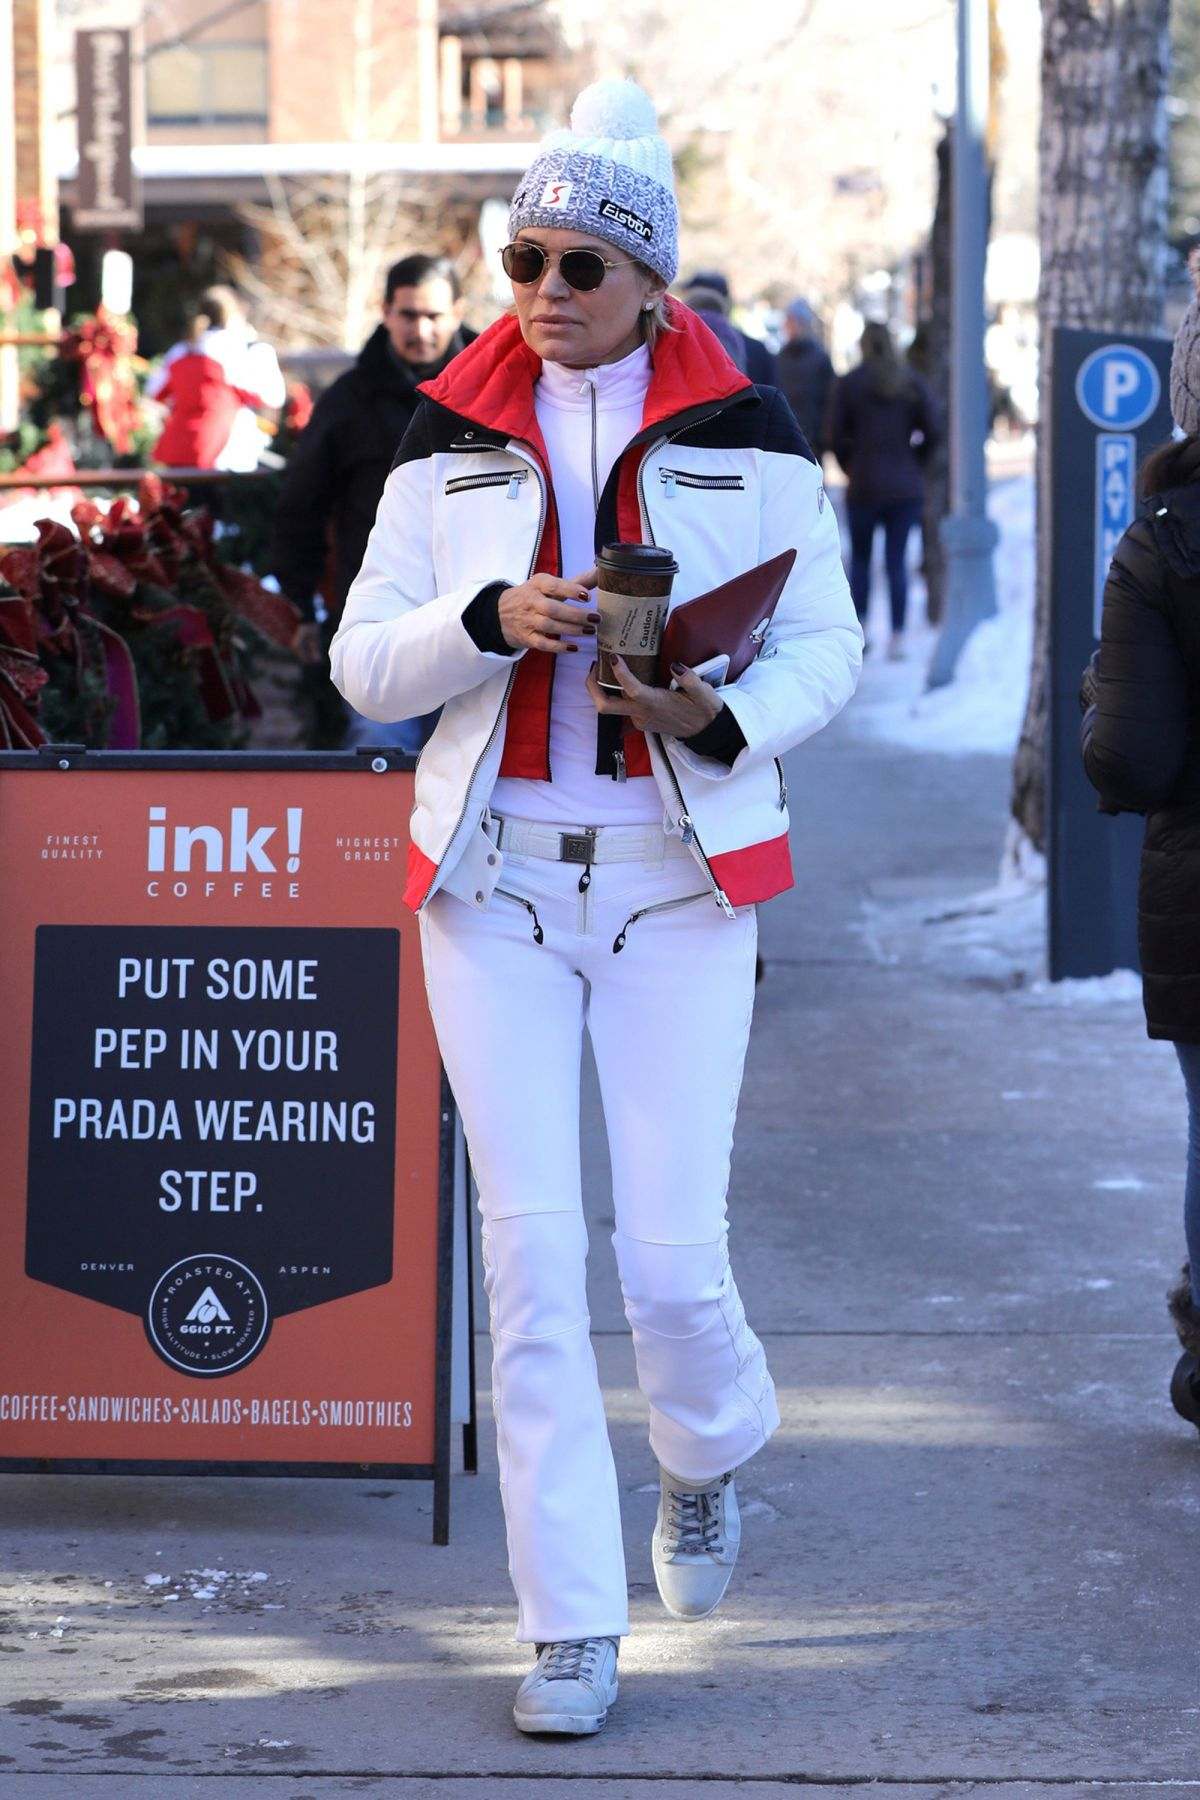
{"points": [[640, 559]]}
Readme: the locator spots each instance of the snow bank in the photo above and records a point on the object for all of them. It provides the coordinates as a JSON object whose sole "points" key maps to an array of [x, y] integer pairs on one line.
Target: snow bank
{"points": [[1091, 990]]}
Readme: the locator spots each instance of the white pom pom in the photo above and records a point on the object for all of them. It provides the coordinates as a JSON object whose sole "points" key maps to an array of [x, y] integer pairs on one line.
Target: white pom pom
{"points": [[614, 109]]}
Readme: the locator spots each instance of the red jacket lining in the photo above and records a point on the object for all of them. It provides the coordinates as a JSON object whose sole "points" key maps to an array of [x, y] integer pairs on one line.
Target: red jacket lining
{"points": [[492, 383]]}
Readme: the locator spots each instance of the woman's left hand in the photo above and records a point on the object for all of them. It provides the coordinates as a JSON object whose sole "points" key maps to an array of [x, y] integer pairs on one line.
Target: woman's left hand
{"points": [[671, 712]]}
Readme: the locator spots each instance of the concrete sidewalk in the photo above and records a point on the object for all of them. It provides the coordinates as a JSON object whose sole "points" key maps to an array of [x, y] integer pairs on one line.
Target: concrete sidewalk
{"points": [[968, 1559]]}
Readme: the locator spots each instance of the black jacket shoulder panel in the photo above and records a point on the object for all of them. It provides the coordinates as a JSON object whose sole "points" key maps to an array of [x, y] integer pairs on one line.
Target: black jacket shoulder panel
{"points": [[443, 430], [759, 420], [784, 435], [417, 441]]}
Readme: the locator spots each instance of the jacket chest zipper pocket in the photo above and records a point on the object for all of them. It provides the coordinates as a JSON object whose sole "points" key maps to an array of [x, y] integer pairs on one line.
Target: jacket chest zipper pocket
{"points": [[509, 478], [687, 478]]}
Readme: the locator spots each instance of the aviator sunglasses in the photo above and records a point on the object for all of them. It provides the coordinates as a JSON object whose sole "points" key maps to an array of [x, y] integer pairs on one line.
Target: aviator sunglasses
{"points": [[582, 270]]}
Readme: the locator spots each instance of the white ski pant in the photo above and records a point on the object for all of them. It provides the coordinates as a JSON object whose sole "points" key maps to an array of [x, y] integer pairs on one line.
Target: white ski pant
{"points": [[669, 1016]]}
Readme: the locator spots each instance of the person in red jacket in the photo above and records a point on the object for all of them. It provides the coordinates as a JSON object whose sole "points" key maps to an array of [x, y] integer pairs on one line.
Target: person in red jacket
{"points": [[212, 382]]}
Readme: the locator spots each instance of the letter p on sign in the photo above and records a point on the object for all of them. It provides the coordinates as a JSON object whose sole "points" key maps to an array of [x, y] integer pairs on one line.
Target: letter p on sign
{"points": [[1117, 387], [1120, 380]]}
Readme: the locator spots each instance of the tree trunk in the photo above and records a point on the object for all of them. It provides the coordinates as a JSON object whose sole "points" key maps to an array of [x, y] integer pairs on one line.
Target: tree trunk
{"points": [[1102, 224]]}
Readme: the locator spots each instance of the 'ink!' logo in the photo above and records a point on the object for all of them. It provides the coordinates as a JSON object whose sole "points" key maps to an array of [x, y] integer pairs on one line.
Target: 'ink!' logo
{"points": [[237, 849], [208, 1315]]}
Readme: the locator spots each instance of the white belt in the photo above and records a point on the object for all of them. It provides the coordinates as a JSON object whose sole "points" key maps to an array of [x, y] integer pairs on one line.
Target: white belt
{"points": [[586, 843]]}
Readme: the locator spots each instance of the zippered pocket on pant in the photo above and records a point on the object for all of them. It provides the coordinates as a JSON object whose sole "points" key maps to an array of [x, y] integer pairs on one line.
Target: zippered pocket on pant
{"points": [[688, 478], [662, 906], [510, 478], [539, 936]]}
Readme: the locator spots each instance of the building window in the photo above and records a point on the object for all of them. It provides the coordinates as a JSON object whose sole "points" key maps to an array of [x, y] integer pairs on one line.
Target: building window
{"points": [[207, 84]]}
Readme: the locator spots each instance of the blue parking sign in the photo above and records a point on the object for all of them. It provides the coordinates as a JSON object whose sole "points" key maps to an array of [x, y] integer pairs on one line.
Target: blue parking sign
{"points": [[1116, 485], [1118, 387], [1107, 411]]}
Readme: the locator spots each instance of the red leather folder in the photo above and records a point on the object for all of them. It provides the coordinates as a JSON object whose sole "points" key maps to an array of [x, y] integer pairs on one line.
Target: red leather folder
{"points": [[729, 620]]}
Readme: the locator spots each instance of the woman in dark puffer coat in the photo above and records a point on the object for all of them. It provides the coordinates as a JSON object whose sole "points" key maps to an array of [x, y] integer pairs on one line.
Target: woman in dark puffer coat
{"points": [[1141, 750]]}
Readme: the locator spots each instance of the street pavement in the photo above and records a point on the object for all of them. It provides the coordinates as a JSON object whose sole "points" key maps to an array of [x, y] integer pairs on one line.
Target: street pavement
{"points": [[968, 1564]]}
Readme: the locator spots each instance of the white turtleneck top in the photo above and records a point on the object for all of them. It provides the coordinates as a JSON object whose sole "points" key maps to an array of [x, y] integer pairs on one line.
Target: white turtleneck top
{"points": [[587, 417]]}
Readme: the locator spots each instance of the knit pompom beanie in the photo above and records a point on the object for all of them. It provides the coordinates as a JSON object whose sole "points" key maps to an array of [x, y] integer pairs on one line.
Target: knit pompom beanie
{"points": [[608, 174], [1185, 360]]}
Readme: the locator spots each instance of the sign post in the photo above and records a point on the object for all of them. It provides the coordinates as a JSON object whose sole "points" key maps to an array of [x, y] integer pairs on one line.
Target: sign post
{"points": [[1109, 409], [228, 1156]]}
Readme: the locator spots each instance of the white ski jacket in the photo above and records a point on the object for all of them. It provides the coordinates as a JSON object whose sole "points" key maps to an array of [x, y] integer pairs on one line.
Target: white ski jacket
{"points": [[721, 474]]}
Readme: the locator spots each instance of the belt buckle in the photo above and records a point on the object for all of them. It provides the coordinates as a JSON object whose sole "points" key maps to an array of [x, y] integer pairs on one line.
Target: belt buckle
{"points": [[578, 846]]}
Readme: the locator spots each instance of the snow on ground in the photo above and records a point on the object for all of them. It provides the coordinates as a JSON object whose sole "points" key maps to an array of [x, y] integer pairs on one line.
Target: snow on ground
{"points": [[981, 710], [995, 938], [1091, 990]]}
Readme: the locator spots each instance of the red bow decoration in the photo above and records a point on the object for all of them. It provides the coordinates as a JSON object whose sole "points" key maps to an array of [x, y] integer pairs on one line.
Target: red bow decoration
{"points": [[21, 675], [52, 577], [103, 347]]}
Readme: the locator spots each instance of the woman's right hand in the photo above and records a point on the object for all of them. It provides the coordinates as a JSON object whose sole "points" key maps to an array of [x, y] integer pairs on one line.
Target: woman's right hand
{"points": [[538, 615]]}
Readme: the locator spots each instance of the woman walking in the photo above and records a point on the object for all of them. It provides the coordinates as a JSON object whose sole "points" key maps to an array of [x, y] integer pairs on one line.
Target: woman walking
{"points": [[590, 861], [1141, 750], [881, 427], [213, 383]]}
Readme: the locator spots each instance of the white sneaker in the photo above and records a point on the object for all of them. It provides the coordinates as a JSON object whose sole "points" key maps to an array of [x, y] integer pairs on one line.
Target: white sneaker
{"points": [[571, 1688], [695, 1543]]}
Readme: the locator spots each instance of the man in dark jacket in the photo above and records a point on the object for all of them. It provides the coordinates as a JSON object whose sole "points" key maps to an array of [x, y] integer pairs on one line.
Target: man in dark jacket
{"points": [[805, 373], [336, 474], [756, 359]]}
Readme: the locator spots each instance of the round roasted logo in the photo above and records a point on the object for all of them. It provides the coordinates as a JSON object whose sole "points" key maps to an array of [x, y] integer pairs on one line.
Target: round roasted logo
{"points": [[208, 1315]]}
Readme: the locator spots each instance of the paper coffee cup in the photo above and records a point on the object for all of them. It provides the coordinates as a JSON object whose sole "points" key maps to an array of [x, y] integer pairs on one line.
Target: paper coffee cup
{"points": [[633, 598]]}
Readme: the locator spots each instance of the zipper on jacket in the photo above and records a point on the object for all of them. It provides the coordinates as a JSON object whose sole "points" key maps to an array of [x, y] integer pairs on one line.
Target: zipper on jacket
{"points": [[672, 478], [782, 786], [687, 831], [512, 478], [686, 824], [591, 386], [619, 770], [512, 676], [644, 912]]}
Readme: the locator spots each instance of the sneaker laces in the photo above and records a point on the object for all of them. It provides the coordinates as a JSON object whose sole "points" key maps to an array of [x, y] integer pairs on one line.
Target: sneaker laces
{"points": [[569, 1661], [694, 1520]]}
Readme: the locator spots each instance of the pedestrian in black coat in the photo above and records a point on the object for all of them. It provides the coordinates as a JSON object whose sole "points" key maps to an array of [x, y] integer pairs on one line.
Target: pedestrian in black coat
{"points": [[882, 424], [1141, 750], [336, 473], [755, 360], [805, 373]]}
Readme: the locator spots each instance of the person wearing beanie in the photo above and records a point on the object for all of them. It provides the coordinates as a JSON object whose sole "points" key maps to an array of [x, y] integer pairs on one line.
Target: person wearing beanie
{"points": [[1141, 750], [709, 289], [591, 859], [805, 372]]}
